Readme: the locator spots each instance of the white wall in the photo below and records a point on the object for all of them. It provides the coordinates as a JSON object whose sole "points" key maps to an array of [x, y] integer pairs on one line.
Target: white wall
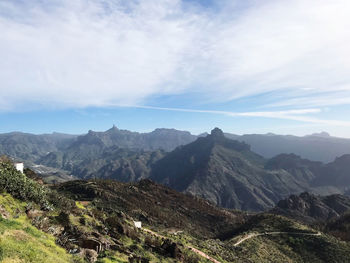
{"points": [[138, 224], [19, 167]]}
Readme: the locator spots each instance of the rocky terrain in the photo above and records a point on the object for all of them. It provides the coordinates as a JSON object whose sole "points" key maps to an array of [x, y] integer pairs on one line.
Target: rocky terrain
{"points": [[93, 221], [309, 208]]}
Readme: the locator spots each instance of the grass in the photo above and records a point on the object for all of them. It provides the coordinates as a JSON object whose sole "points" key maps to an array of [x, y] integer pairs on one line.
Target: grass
{"points": [[21, 242], [12, 206]]}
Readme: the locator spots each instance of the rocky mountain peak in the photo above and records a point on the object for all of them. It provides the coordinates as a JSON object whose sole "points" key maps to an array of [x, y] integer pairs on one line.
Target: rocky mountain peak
{"points": [[216, 132], [113, 129]]}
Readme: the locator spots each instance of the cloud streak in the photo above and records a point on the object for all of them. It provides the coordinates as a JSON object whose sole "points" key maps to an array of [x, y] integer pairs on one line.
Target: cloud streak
{"points": [[294, 115], [97, 53]]}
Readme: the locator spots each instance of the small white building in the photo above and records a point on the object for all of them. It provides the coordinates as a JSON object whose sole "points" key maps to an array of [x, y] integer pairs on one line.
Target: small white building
{"points": [[138, 224], [19, 167]]}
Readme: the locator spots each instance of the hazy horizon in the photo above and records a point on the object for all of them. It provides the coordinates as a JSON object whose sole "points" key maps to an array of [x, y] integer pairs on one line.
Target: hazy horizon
{"points": [[196, 134]]}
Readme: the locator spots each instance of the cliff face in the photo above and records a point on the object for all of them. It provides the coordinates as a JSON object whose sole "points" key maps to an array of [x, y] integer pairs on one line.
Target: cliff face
{"points": [[310, 208]]}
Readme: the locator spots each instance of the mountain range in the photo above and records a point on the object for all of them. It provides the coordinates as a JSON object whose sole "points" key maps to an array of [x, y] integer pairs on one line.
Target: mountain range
{"points": [[229, 174], [224, 171], [316, 147]]}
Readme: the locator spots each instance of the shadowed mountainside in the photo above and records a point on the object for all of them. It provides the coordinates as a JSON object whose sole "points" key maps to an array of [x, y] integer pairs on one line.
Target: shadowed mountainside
{"points": [[227, 173]]}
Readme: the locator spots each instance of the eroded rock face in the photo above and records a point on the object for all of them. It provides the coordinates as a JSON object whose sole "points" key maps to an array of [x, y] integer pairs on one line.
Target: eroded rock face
{"points": [[310, 208]]}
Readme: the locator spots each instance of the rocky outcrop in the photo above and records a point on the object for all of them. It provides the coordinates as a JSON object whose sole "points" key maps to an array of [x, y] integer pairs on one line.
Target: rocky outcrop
{"points": [[310, 208]]}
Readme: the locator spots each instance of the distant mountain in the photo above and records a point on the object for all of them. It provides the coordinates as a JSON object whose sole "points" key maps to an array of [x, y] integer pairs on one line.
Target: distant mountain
{"points": [[336, 173], [164, 139], [301, 169], [31, 147], [116, 154], [309, 208], [316, 147], [227, 173], [333, 175]]}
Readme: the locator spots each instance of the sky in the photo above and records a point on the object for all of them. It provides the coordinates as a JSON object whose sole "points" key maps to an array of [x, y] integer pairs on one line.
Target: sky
{"points": [[246, 66]]}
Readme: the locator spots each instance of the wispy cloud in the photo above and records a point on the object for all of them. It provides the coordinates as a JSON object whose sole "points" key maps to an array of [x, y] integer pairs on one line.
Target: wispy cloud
{"points": [[96, 53], [295, 115]]}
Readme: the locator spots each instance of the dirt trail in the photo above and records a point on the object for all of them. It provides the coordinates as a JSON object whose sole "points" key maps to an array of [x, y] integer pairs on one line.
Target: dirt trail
{"points": [[197, 251], [201, 253], [251, 235]]}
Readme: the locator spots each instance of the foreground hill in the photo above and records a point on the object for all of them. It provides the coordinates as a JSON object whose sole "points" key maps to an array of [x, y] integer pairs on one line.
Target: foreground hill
{"points": [[223, 235], [156, 205], [39, 225], [271, 238], [92, 221]]}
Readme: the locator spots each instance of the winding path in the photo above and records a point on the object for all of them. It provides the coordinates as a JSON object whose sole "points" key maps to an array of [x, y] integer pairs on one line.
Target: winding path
{"points": [[251, 235], [195, 250]]}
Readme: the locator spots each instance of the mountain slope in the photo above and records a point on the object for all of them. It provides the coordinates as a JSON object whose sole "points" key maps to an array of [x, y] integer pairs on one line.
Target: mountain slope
{"points": [[93, 221], [336, 173], [156, 205], [309, 208], [113, 163], [225, 172], [211, 230]]}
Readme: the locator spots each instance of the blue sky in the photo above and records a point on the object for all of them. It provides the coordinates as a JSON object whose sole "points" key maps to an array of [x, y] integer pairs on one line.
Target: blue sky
{"points": [[245, 66]]}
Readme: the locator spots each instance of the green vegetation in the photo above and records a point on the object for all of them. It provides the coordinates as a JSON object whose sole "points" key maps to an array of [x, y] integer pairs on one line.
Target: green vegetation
{"points": [[26, 189], [20, 241], [20, 186], [92, 221], [80, 227]]}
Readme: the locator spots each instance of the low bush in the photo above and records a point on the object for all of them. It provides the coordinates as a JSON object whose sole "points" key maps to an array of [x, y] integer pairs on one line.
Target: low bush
{"points": [[26, 189]]}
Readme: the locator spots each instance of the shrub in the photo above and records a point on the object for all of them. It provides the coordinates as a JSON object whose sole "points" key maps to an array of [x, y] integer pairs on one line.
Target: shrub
{"points": [[26, 189]]}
